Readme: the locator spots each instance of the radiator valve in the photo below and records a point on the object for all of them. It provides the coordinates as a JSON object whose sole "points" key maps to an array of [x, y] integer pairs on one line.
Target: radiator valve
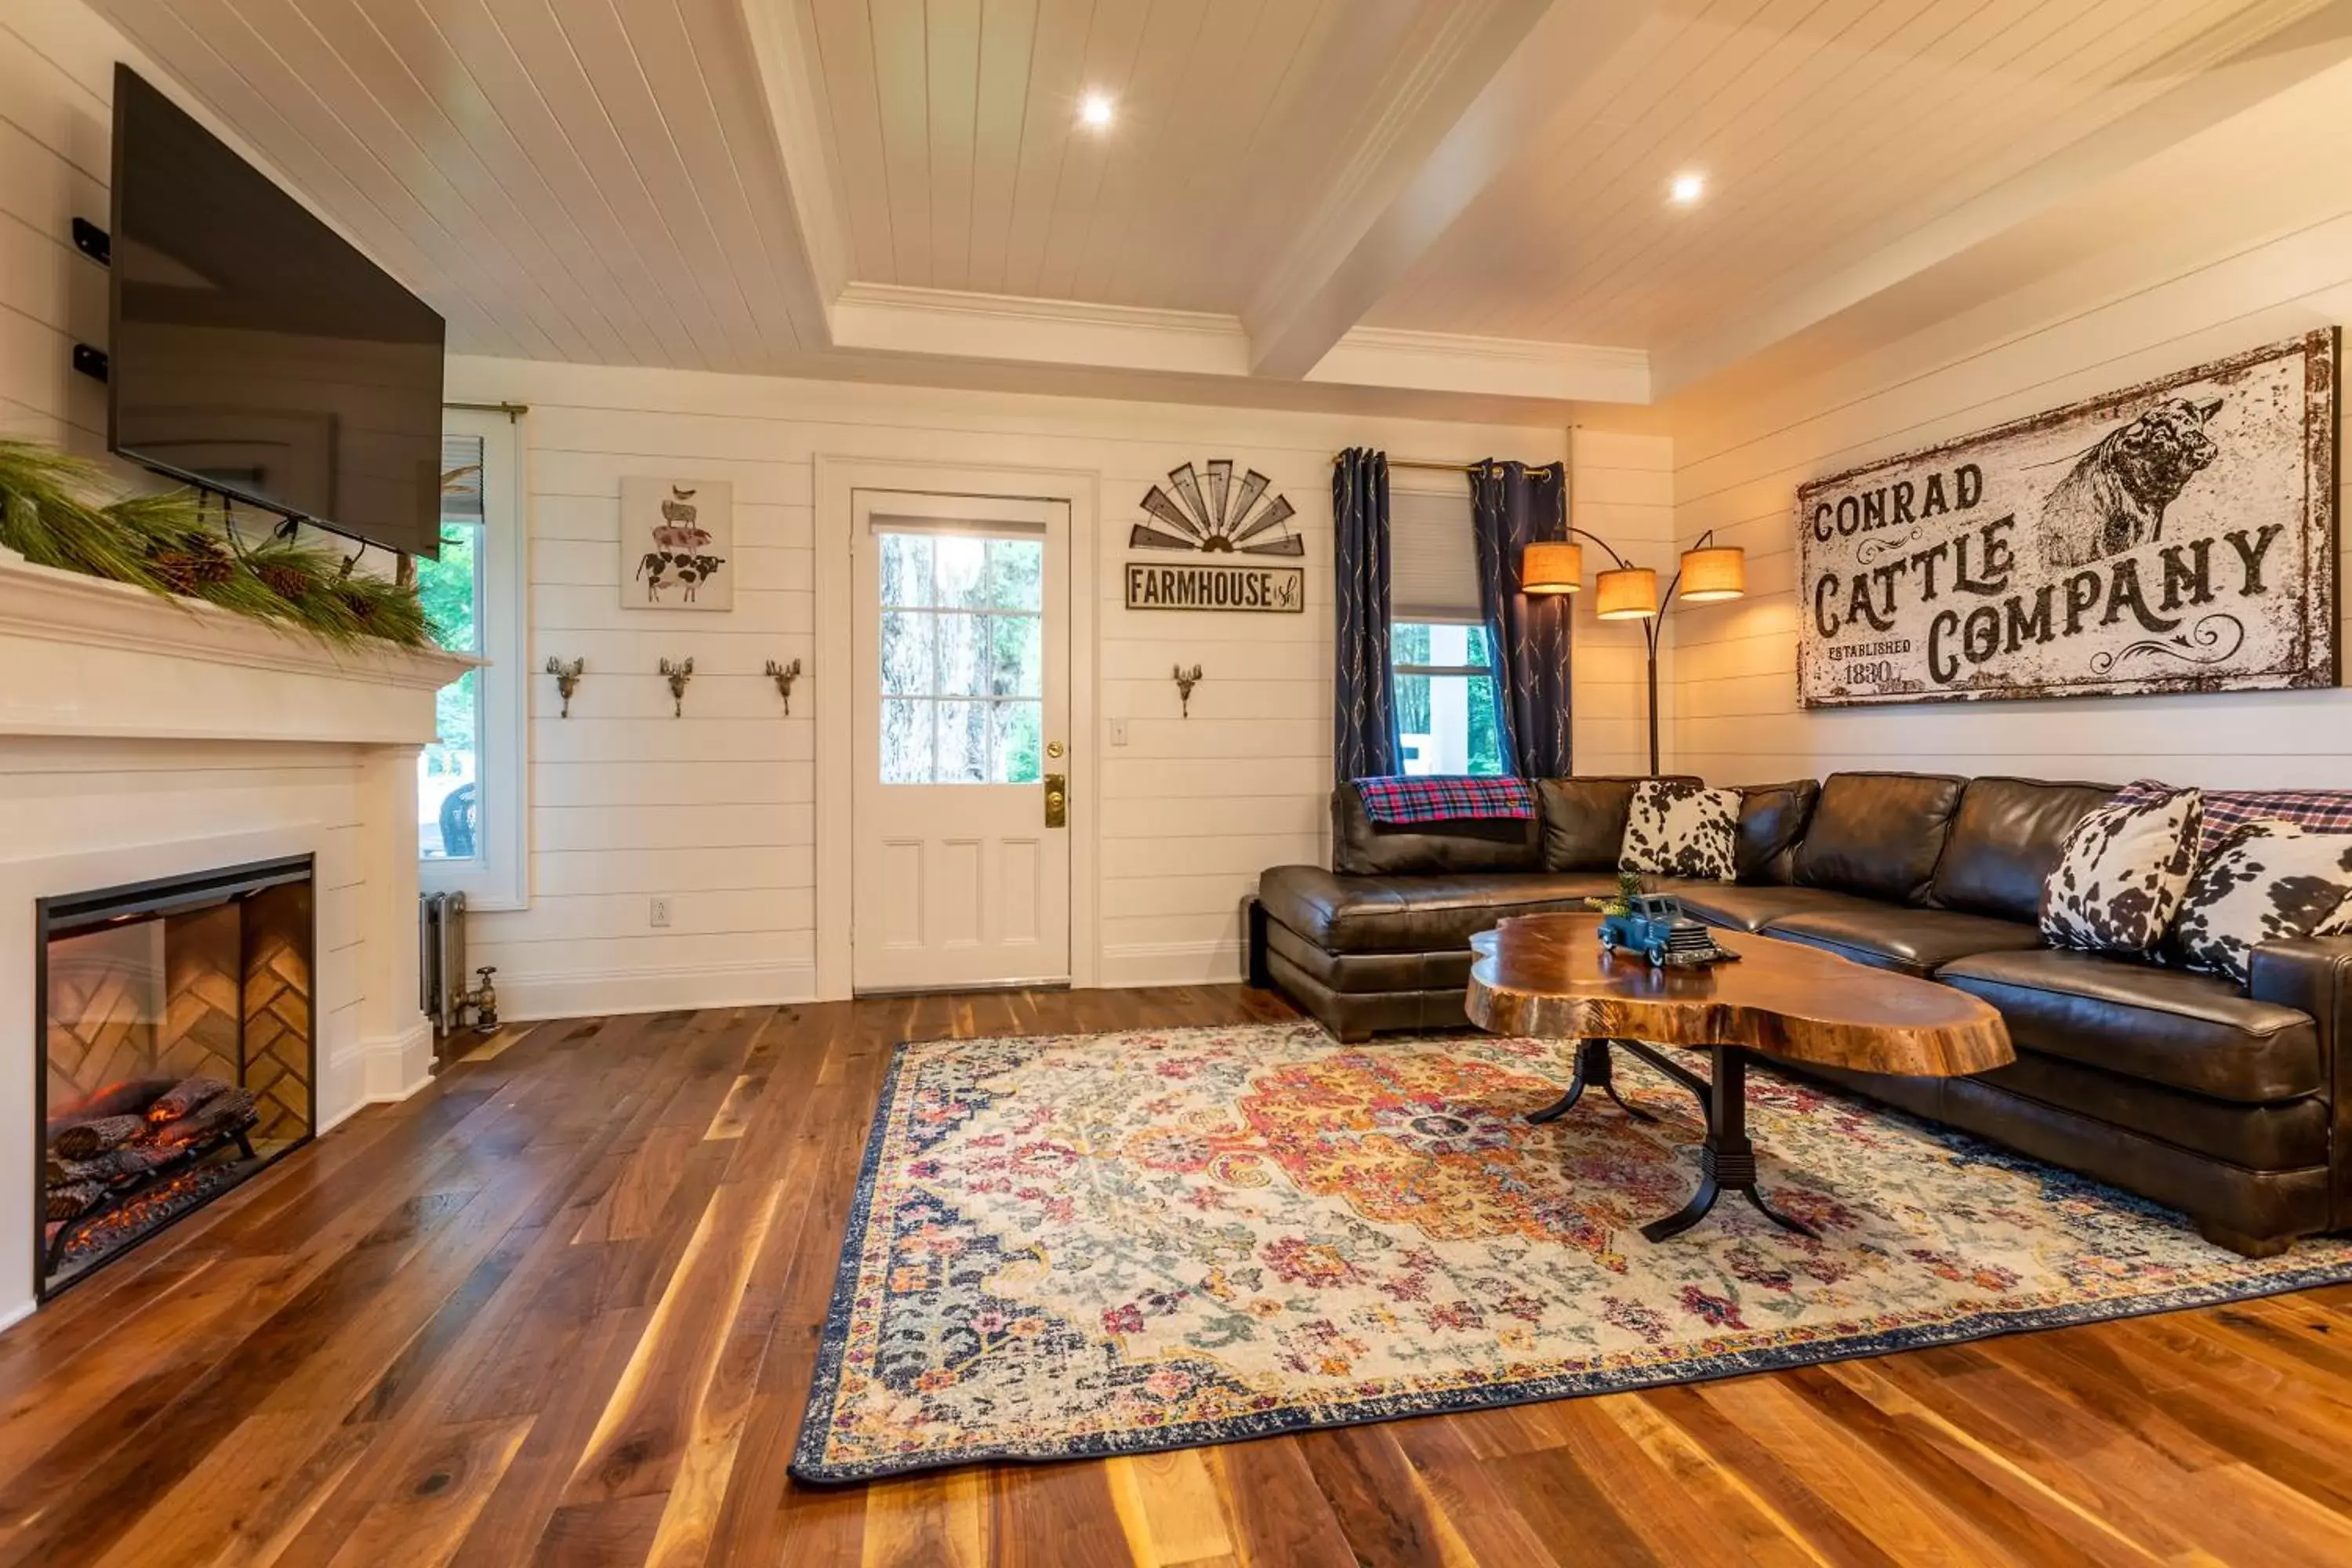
{"points": [[483, 1001]]}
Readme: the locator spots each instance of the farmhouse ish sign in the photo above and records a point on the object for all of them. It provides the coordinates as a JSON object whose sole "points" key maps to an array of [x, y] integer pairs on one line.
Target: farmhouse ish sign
{"points": [[2175, 536], [1273, 590]]}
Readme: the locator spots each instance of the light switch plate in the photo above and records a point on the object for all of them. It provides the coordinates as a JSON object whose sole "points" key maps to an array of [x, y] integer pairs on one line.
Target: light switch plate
{"points": [[1119, 732]]}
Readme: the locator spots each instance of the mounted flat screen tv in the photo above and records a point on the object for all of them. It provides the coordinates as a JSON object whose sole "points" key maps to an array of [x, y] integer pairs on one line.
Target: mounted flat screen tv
{"points": [[256, 354]]}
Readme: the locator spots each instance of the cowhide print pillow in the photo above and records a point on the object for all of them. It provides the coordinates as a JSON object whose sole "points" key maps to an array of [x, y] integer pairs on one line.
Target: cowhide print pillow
{"points": [[2265, 881], [2122, 875], [1679, 827]]}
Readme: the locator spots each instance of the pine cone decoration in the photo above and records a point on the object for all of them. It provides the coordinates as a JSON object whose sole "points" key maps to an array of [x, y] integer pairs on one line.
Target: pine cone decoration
{"points": [[191, 562], [362, 607], [289, 583]]}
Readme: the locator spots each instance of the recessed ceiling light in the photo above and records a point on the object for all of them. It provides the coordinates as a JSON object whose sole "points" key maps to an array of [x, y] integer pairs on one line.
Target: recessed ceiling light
{"points": [[1686, 189], [1094, 109]]}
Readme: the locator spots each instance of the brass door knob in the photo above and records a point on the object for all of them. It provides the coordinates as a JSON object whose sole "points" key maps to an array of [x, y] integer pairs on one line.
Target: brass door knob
{"points": [[1057, 800]]}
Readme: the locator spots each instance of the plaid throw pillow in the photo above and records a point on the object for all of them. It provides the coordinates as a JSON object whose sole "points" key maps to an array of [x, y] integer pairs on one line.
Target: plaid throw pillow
{"points": [[1407, 802], [2226, 810]]}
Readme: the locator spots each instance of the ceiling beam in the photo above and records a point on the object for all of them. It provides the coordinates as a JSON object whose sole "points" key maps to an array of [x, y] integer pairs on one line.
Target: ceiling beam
{"points": [[1457, 115], [793, 84], [1910, 242]]}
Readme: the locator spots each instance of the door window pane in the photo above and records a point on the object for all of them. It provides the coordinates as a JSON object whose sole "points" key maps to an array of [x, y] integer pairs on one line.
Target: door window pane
{"points": [[906, 741], [962, 624]]}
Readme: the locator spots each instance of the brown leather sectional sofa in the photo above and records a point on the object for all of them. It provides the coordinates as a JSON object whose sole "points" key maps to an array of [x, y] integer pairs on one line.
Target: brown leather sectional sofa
{"points": [[2232, 1104]]}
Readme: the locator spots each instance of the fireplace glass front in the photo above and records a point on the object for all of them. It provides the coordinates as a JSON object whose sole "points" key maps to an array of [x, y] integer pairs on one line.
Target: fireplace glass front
{"points": [[179, 1054]]}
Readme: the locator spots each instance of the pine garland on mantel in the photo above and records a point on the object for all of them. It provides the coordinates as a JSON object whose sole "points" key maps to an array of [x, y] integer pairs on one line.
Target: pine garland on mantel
{"points": [[54, 511]]}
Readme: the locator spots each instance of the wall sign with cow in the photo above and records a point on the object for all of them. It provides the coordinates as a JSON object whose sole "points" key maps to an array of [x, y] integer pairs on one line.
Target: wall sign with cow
{"points": [[2175, 536], [677, 541]]}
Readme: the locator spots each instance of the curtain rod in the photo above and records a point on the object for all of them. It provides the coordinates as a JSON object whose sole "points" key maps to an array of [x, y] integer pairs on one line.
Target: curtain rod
{"points": [[1427, 463], [513, 411]]}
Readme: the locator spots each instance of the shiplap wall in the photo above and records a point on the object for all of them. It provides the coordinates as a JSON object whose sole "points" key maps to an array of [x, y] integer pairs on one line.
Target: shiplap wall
{"points": [[715, 810], [1738, 468], [1620, 486]]}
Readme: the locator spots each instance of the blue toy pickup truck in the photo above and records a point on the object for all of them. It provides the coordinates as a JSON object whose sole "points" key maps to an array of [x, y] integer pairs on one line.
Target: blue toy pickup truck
{"points": [[1655, 927]]}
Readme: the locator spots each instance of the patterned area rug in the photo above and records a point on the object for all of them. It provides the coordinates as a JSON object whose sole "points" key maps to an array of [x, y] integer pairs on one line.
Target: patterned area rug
{"points": [[1086, 1245]]}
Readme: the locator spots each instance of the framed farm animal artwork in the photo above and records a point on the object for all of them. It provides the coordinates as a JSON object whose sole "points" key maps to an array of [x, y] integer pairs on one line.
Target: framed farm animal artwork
{"points": [[677, 544], [2179, 535]]}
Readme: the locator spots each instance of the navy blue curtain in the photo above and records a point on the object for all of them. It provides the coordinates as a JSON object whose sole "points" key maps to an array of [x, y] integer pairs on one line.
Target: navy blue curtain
{"points": [[1512, 506], [1364, 732]]}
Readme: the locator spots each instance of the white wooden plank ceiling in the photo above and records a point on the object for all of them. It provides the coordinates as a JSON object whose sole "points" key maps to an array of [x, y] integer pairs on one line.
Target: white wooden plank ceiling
{"points": [[715, 183]]}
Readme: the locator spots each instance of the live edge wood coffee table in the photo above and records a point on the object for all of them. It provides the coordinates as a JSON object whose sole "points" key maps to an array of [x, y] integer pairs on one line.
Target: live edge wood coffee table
{"points": [[1547, 975]]}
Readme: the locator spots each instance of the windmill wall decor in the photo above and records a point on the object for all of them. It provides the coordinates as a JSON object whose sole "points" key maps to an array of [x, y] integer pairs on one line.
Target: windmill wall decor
{"points": [[1217, 513]]}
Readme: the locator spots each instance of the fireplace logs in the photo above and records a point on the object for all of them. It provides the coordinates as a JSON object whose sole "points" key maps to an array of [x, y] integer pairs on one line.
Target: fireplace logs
{"points": [[108, 1161]]}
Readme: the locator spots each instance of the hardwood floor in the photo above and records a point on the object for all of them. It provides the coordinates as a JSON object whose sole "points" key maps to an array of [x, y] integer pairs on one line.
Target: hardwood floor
{"points": [[561, 1308]]}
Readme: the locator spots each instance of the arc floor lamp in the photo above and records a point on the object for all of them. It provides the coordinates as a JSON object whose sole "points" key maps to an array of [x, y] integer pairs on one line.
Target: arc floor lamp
{"points": [[1707, 572]]}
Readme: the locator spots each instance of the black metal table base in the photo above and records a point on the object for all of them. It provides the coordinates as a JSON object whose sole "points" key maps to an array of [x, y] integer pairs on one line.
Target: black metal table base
{"points": [[1594, 1070], [1727, 1160]]}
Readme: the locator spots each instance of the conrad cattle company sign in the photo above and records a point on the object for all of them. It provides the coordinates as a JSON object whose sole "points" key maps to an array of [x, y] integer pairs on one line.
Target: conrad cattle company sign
{"points": [[2179, 536]]}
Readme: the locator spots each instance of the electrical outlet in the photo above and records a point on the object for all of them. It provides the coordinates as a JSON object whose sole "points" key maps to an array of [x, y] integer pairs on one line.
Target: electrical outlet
{"points": [[1119, 732], [659, 914]]}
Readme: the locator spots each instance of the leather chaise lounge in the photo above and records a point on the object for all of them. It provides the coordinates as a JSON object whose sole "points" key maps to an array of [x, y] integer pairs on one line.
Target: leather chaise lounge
{"points": [[2229, 1103]]}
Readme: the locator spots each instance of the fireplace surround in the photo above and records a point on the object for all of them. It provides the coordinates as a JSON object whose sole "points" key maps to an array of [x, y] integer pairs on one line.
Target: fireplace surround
{"points": [[179, 1051]]}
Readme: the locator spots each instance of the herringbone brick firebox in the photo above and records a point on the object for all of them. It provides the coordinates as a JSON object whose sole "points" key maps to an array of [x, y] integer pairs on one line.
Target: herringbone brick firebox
{"points": [[180, 1052]]}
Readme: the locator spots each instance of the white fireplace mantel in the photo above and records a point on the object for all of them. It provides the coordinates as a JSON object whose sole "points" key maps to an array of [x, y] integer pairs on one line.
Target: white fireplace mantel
{"points": [[144, 737], [83, 656]]}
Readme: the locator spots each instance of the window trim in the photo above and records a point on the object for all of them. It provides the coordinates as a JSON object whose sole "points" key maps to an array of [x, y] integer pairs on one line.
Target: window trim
{"points": [[498, 879]]}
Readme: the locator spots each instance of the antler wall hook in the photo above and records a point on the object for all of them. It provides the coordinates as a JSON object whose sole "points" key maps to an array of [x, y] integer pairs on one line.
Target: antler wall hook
{"points": [[783, 675], [1185, 680], [567, 679], [677, 675]]}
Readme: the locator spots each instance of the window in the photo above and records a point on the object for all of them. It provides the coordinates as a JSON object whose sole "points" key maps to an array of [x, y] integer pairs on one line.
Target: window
{"points": [[963, 622], [1444, 698], [469, 782]]}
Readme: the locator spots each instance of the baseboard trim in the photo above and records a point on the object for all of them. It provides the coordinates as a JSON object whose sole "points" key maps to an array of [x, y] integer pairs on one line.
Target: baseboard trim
{"points": [[1218, 961], [526, 998], [12, 1316]]}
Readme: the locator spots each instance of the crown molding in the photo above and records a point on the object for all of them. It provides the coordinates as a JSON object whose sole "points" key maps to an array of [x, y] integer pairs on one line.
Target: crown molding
{"points": [[939, 322]]}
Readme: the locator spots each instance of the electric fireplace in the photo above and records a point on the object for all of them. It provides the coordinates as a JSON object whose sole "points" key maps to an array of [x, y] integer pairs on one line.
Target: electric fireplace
{"points": [[179, 1054]]}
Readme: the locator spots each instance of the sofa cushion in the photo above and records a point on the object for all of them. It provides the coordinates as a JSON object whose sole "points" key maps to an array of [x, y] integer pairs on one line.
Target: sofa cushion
{"points": [[1360, 847], [1772, 820], [1415, 914], [2006, 839], [2191, 1031], [1916, 942], [1680, 828], [1738, 908], [1584, 821], [2276, 1136], [2122, 875], [1878, 835]]}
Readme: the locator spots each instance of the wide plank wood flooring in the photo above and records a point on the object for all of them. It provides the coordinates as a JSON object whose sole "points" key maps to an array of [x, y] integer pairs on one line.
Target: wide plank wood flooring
{"points": [[560, 1308]]}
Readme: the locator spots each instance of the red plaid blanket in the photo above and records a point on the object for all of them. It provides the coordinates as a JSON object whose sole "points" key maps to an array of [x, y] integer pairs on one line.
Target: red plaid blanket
{"points": [[2317, 810], [1405, 801]]}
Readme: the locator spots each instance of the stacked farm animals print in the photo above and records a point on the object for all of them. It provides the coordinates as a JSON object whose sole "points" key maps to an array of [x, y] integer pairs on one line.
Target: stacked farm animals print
{"points": [[2177, 536], [676, 536]]}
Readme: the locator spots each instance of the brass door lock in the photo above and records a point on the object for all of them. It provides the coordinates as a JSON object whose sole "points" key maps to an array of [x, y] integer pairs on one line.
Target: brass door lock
{"points": [[1057, 800]]}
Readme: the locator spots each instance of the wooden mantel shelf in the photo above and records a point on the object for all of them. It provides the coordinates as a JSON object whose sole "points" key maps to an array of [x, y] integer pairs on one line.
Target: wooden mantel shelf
{"points": [[83, 657]]}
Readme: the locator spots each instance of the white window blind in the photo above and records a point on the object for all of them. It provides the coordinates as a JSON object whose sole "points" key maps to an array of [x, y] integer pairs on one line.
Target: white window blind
{"points": [[1433, 564]]}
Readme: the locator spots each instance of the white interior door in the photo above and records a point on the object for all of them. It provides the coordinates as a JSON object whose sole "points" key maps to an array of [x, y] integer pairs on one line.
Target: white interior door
{"points": [[960, 869]]}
